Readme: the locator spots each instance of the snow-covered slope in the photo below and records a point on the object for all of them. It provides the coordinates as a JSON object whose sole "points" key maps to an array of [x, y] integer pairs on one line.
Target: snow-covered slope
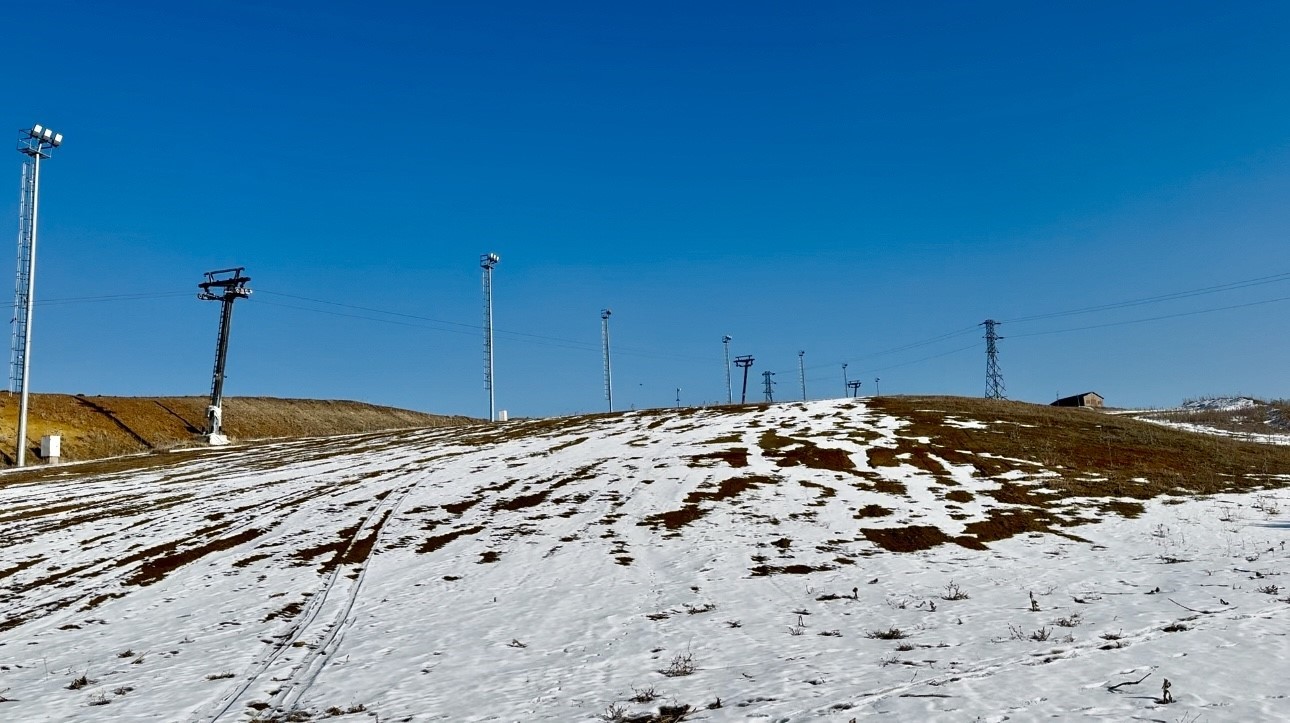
{"points": [[743, 562]]}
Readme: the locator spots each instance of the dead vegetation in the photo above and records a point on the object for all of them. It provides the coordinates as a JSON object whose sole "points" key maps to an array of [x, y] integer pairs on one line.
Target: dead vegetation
{"points": [[94, 427], [1096, 454]]}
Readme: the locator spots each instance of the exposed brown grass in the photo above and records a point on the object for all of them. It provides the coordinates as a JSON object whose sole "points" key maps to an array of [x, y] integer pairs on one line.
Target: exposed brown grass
{"points": [[99, 427], [1081, 444]]}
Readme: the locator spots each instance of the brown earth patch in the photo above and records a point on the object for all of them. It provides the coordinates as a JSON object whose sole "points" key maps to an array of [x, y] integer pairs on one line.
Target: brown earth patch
{"points": [[434, 543], [735, 457], [763, 570]]}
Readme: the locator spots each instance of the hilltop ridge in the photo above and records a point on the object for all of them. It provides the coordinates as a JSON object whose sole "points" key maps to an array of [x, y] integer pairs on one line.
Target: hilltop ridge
{"points": [[96, 427]]}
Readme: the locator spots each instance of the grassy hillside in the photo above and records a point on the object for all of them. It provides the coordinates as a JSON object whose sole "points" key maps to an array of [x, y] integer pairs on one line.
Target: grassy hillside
{"points": [[95, 427]]}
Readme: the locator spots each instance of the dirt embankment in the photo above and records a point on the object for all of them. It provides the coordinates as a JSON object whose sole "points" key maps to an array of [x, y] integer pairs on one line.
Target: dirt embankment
{"points": [[95, 427]]}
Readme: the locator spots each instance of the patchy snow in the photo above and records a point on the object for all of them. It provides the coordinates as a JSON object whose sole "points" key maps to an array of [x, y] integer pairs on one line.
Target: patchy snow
{"points": [[1282, 439], [555, 570], [1220, 404]]}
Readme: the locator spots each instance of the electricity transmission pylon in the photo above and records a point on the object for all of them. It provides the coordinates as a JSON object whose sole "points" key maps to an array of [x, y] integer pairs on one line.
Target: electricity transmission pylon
{"points": [[770, 383], [994, 388]]}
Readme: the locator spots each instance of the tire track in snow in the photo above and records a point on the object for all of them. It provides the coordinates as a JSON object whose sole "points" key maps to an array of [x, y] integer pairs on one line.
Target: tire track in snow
{"points": [[313, 662]]}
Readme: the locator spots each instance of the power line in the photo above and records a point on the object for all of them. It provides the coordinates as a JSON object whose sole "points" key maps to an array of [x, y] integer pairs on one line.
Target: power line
{"points": [[1154, 318], [1230, 286], [455, 327]]}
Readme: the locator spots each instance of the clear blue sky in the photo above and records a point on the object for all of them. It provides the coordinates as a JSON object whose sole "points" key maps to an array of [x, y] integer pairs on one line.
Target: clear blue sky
{"points": [[843, 178]]}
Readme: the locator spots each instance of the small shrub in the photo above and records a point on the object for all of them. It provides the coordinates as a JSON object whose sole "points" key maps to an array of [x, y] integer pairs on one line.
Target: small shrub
{"points": [[643, 696], [80, 682], [125, 654], [219, 676], [954, 592], [681, 665], [888, 634], [1174, 628], [614, 713], [1070, 621], [1268, 590], [99, 699], [905, 647]]}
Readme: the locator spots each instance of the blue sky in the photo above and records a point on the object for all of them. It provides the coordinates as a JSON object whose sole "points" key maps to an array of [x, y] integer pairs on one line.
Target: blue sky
{"points": [[848, 179]]}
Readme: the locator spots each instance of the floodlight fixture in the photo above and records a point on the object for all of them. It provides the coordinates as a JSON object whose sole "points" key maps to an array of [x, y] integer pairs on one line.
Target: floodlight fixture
{"points": [[38, 141]]}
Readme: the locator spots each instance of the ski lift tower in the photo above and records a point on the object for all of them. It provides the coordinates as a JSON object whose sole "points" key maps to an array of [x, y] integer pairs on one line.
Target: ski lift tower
{"points": [[37, 144], [226, 285]]}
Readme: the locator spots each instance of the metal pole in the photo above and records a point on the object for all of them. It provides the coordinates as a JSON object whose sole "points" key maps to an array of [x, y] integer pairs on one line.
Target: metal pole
{"points": [[609, 367], [216, 422], [21, 456], [801, 371], [845, 384], [725, 341], [488, 312]]}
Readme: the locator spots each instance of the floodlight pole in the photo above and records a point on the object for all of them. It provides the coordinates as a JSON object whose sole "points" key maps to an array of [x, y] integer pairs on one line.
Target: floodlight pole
{"points": [[801, 371], [609, 368], [37, 143], [487, 262], [231, 286], [876, 391], [725, 341], [846, 385]]}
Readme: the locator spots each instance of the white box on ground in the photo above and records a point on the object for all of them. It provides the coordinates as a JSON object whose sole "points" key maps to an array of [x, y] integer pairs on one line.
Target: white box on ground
{"points": [[51, 447]]}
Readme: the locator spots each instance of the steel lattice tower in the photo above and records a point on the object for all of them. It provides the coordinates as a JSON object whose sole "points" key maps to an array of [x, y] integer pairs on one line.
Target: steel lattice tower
{"points": [[609, 368], [487, 262], [770, 383], [994, 388]]}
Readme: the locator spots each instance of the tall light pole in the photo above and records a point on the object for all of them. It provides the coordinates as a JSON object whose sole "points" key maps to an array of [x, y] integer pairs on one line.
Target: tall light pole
{"points": [[487, 262], [725, 341], [846, 386], [801, 371], [609, 369], [37, 144], [876, 391]]}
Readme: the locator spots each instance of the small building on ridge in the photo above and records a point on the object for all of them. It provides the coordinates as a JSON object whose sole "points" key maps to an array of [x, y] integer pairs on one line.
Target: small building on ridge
{"points": [[1087, 399]]}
